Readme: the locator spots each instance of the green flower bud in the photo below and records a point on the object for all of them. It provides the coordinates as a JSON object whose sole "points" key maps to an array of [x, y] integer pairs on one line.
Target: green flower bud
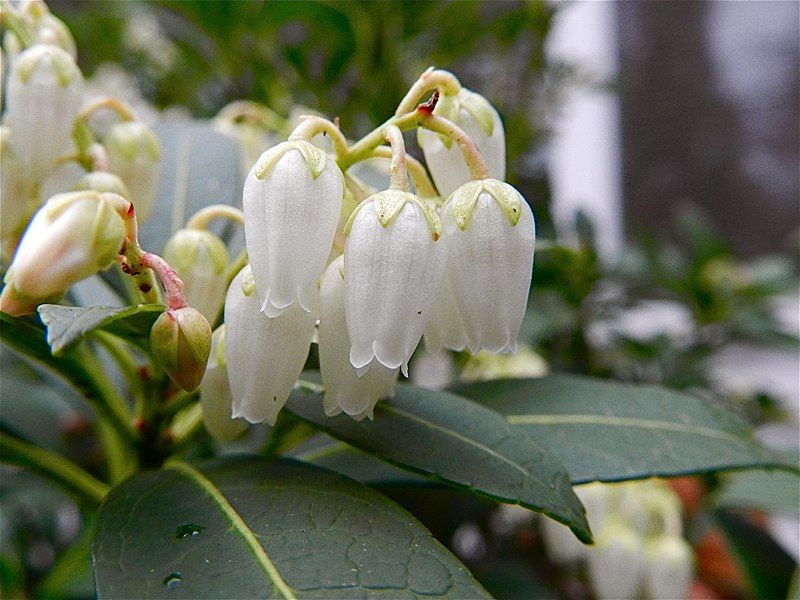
{"points": [[102, 181], [200, 258], [180, 341], [134, 154], [73, 236]]}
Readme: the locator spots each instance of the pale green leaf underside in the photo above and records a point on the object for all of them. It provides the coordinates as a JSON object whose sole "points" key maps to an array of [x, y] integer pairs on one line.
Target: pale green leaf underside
{"points": [[458, 442], [66, 325], [611, 431], [265, 529]]}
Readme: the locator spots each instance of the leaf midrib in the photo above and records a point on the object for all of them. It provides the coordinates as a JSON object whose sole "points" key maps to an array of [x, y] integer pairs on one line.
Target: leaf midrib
{"points": [[237, 523]]}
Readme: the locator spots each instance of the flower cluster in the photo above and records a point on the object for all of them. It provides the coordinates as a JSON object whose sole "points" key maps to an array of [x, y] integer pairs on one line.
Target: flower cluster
{"points": [[639, 544], [456, 271], [52, 147]]}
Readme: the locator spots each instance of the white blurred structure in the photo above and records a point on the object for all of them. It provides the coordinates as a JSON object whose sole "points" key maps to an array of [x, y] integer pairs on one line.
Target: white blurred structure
{"points": [[585, 154]]}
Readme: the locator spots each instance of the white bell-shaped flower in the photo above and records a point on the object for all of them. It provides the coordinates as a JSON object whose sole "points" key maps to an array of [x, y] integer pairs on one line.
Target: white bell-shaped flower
{"points": [[17, 196], [345, 390], [200, 258], [445, 328], [670, 567], [45, 90], [264, 356], [134, 154], [490, 236], [480, 121], [215, 393], [616, 564], [292, 199], [393, 264]]}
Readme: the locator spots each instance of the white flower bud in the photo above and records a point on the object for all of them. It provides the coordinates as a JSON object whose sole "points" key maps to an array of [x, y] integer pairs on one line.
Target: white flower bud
{"points": [[616, 563], [489, 239], [102, 181], [393, 266], [215, 394], [669, 568], [292, 199], [344, 389], [134, 154], [264, 356], [200, 258], [71, 237], [45, 90], [480, 121]]}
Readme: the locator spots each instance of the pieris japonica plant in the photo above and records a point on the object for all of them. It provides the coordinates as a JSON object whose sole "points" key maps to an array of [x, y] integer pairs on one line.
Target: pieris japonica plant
{"points": [[299, 309]]}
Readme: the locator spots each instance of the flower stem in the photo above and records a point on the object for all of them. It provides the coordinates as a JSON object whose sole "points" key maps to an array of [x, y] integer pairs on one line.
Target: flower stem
{"points": [[312, 125], [398, 174], [10, 18], [173, 286], [431, 80], [204, 216], [122, 110], [472, 156], [53, 466], [419, 175], [245, 110]]}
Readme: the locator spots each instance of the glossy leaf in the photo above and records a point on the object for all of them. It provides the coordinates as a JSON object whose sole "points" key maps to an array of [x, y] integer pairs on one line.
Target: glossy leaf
{"points": [[458, 442], [66, 325], [769, 491], [199, 167], [254, 528], [611, 431]]}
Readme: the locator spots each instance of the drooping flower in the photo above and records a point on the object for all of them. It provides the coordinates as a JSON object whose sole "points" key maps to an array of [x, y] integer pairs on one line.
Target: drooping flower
{"points": [[17, 196], [73, 236], [345, 390], [200, 259], [393, 265], [480, 121], [264, 355], [134, 154], [45, 90], [669, 567], [215, 393], [292, 199], [180, 341], [489, 239]]}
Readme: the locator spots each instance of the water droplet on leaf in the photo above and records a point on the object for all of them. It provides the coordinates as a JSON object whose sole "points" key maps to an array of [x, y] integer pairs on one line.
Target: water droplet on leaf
{"points": [[172, 580], [189, 530]]}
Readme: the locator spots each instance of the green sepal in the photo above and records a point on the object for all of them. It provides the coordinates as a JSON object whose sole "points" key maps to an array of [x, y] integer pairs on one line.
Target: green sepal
{"points": [[315, 157], [388, 204], [64, 66], [248, 281], [462, 201]]}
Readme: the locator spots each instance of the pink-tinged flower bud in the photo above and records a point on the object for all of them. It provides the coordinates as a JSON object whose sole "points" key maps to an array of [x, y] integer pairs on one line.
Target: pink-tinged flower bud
{"points": [[264, 355], [200, 258], [215, 394], [345, 390], [393, 265], [489, 239], [480, 121], [73, 236], [45, 90], [180, 341], [292, 199], [134, 154]]}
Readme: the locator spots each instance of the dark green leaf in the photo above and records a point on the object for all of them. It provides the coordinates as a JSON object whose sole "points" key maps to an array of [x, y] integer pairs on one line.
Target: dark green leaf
{"points": [[458, 442], [767, 566], [254, 528], [611, 431], [764, 490], [68, 324]]}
